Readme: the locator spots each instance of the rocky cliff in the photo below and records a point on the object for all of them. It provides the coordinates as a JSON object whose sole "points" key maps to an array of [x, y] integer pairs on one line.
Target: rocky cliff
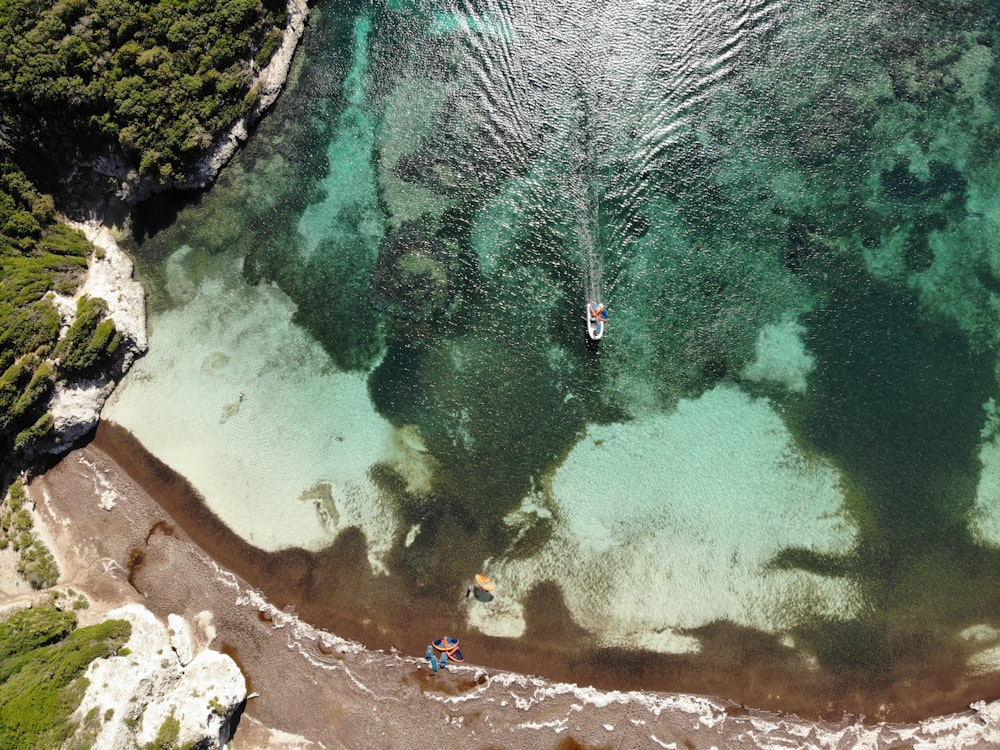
{"points": [[161, 689], [131, 189], [76, 406]]}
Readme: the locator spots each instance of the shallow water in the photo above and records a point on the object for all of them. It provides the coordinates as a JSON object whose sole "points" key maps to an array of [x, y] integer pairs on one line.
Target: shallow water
{"points": [[374, 321]]}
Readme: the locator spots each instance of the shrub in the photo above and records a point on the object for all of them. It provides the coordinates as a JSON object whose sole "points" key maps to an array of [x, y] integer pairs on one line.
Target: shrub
{"points": [[37, 256], [22, 224], [90, 341], [37, 566], [30, 629], [30, 438], [135, 65], [42, 661], [35, 392], [166, 738]]}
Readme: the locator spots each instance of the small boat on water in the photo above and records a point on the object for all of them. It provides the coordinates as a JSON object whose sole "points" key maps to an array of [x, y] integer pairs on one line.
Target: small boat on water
{"points": [[597, 316]]}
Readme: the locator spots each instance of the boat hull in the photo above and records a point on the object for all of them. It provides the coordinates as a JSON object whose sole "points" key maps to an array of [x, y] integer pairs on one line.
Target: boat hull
{"points": [[595, 326]]}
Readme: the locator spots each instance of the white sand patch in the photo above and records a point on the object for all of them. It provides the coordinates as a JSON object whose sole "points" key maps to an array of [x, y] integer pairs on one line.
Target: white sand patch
{"points": [[984, 662], [265, 419], [782, 356], [981, 633], [12, 584], [503, 617], [411, 457], [984, 521], [670, 522]]}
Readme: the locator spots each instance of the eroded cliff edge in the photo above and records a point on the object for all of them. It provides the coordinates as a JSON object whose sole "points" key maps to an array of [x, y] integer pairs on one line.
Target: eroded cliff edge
{"points": [[75, 405], [166, 684]]}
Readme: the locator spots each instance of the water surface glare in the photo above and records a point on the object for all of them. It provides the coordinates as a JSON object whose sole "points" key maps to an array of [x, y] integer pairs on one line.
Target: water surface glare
{"points": [[777, 477]]}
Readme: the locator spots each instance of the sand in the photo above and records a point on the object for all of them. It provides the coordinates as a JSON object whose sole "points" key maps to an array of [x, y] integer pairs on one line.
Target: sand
{"points": [[116, 543]]}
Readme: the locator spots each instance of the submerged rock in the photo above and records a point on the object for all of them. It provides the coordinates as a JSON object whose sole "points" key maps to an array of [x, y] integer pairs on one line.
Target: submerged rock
{"points": [[412, 280]]}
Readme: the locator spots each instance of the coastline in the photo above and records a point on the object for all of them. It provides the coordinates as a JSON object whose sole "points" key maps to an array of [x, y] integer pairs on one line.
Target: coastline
{"points": [[132, 189], [335, 589], [315, 689], [76, 406]]}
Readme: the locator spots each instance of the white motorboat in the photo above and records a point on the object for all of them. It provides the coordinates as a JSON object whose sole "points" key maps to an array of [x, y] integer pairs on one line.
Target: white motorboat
{"points": [[597, 316]]}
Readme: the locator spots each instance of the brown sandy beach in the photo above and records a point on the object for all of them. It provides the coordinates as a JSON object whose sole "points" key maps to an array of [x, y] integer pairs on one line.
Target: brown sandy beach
{"points": [[125, 528], [336, 590]]}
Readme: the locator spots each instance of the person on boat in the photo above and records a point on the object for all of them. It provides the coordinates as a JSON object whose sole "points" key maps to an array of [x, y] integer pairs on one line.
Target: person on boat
{"points": [[599, 311]]}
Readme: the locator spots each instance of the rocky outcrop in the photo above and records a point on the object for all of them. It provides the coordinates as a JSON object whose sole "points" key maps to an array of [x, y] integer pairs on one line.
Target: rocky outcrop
{"points": [[159, 688], [133, 189], [269, 83], [76, 406]]}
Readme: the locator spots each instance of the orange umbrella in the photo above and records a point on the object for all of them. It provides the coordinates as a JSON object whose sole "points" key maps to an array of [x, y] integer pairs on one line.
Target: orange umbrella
{"points": [[484, 583]]}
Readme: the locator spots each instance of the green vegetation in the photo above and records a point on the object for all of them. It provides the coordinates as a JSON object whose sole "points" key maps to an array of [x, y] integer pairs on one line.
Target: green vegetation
{"points": [[39, 256], [91, 339], [42, 660], [156, 79], [166, 738], [35, 564]]}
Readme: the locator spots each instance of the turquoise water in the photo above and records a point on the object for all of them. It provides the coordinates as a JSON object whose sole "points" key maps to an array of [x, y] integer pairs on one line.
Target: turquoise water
{"points": [[790, 210]]}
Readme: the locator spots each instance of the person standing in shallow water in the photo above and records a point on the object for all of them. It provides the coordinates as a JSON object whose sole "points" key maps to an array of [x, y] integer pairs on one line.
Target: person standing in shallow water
{"points": [[481, 588]]}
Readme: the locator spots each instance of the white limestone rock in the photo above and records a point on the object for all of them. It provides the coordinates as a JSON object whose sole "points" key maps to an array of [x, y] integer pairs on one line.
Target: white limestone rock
{"points": [[76, 406], [109, 276], [75, 409], [180, 638], [130, 697]]}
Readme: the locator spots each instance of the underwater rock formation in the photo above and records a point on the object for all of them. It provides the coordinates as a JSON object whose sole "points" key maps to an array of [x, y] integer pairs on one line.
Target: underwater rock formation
{"points": [[412, 279]]}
